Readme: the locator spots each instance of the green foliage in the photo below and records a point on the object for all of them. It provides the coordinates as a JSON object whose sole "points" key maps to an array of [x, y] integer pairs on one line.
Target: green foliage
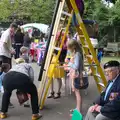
{"points": [[30, 10], [42, 11], [107, 18]]}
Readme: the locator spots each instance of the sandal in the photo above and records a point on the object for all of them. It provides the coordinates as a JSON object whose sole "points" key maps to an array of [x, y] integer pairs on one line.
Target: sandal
{"points": [[51, 95], [3, 115], [36, 116], [58, 95]]}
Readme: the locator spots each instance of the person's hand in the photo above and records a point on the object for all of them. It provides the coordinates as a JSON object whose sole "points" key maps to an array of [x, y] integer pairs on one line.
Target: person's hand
{"points": [[92, 109], [67, 60], [13, 51], [98, 108], [66, 68]]}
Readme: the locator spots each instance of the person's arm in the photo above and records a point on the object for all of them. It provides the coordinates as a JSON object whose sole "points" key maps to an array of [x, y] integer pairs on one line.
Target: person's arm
{"points": [[76, 63], [5, 39], [31, 73]]}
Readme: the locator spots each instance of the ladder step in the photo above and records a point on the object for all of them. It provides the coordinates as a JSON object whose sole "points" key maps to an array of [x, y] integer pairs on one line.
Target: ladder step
{"points": [[63, 28], [85, 46], [67, 14], [62, 18], [90, 65], [89, 56], [97, 75], [80, 28], [82, 36], [101, 84], [57, 48]]}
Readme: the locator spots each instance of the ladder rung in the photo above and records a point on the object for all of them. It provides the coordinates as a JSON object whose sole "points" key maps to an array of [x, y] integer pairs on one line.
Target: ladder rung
{"points": [[85, 46], [101, 84], [80, 27], [63, 28], [67, 14], [57, 48], [90, 65], [97, 75], [62, 18], [82, 36], [89, 56]]}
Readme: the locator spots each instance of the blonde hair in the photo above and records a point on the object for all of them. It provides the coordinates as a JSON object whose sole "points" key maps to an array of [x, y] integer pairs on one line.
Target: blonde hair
{"points": [[19, 60], [74, 45], [23, 49]]}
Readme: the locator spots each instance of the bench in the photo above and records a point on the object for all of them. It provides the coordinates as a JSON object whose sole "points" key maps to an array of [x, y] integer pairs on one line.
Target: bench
{"points": [[112, 48]]}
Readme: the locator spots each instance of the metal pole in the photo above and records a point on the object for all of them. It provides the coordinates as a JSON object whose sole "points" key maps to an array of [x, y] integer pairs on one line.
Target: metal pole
{"points": [[49, 38]]}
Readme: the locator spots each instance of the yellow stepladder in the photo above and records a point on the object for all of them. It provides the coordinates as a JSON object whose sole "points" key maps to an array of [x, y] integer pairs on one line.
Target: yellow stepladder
{"points": [[88, 47], [52, 71]]}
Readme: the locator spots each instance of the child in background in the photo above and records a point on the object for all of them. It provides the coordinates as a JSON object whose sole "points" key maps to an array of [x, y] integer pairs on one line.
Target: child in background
{"points": [[100, 55], [24, 54], [58, 74], [5, 67], [33, 51], [75, 70]]}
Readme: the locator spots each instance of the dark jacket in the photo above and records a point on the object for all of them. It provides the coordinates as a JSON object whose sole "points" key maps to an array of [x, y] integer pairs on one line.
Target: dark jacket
{"points": [[18, 38], [27, 41], [111, 106]]}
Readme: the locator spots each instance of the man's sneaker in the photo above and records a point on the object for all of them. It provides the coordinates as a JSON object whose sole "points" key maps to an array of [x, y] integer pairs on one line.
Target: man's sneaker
{"points": [[36, 116], [11, 105], [3, 115]]}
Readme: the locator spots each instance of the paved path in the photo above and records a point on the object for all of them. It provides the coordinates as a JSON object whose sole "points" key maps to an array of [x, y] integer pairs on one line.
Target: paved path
{"points": [[54, 109]]}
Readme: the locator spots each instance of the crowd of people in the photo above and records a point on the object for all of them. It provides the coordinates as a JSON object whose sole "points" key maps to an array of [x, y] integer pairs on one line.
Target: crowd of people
{"points": [[14, 42], [106, 107], [17, 76]]}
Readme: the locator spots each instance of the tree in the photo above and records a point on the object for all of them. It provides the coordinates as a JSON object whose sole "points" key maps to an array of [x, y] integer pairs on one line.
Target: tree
{"points": [[107, 18], [30, 10]]}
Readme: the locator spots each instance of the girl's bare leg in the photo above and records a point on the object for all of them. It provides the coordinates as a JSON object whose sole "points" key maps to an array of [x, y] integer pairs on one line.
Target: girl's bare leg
{"points": [[78, 100]]}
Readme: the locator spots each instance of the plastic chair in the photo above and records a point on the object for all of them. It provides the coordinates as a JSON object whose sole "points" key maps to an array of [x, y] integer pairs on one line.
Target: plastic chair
{"points": [[77, 115]]}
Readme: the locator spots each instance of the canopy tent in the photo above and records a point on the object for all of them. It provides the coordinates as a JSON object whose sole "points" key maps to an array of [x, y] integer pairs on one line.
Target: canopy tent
{"points": [[42, 27]]}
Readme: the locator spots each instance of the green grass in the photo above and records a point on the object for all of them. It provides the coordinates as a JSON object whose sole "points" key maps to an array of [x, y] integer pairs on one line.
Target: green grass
{"points": [[106, 59]]}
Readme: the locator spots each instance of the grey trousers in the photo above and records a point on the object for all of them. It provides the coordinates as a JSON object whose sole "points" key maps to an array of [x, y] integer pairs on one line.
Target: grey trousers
{"points": [[95, 116]]}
